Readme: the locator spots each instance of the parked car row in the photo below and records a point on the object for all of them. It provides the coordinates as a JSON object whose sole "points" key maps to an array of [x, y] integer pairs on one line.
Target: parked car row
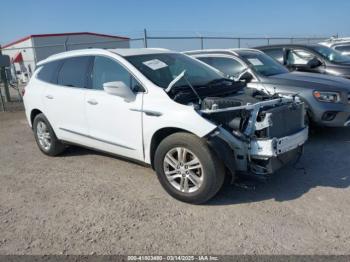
{"points": [[340, 44], [313, 58], [193, 117], [326, 97]]}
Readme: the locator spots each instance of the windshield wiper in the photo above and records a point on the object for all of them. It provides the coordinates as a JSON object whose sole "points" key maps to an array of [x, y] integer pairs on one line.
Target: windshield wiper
{"points": [[218, 80], [176, 79]]}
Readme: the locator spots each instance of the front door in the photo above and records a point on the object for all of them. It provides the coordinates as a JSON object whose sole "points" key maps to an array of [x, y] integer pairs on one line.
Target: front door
{"points": [[115, 125], [299, 59]]}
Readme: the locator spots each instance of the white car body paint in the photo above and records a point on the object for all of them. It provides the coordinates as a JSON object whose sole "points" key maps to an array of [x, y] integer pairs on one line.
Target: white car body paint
{"points": [[106, 122]]}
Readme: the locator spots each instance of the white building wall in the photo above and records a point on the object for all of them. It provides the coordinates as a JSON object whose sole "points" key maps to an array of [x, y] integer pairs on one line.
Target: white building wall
{"points": [[46, 46], [36, 49], [24, 47]]}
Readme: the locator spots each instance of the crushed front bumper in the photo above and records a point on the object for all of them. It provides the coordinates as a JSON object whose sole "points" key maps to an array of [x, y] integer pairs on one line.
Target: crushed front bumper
{"points": [[269, 155], [267, 148]]}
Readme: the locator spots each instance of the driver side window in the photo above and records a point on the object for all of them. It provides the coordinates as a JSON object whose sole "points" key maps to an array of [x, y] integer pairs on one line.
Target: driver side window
{"points": [[299, 57], [107, 70]]}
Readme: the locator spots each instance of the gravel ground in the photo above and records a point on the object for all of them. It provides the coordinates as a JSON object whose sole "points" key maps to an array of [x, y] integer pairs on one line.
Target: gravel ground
{"points": [[85, 202]]}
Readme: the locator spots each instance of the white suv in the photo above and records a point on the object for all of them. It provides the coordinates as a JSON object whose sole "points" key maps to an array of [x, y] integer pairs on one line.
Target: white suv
{"points": [[165, 109]]}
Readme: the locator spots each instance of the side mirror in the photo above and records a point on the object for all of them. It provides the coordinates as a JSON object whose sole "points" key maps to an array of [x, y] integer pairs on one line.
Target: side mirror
{"points": [[314, 62], [246, 77], [119, 88]]}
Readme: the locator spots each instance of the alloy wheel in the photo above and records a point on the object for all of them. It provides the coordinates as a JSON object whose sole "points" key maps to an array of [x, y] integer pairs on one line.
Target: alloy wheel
{"points": [[44, 136], [183, 170]]}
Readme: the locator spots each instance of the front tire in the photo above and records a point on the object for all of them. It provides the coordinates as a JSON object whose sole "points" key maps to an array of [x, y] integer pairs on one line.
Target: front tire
{"points": [[45, 136], [188, 169]]}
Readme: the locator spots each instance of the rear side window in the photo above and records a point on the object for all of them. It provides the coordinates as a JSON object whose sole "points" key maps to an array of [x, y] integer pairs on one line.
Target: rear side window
{"points": [[73, 72], [344, 49], [276, 54], [48, 72]]}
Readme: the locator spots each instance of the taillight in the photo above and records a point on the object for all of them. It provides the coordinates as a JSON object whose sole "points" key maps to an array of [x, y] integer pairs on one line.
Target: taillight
{"points": [[23, 91]]}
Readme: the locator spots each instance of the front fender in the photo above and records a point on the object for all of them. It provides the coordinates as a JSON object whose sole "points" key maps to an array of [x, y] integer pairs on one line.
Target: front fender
{"points": [[172, 116]]}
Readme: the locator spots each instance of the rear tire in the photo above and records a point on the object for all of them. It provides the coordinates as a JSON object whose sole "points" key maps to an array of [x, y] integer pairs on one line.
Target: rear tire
{"points": [[45, 136], [188, 169]]}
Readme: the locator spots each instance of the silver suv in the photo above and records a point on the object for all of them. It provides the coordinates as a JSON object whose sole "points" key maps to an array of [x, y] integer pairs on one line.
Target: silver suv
{"points": [[340, 44]]}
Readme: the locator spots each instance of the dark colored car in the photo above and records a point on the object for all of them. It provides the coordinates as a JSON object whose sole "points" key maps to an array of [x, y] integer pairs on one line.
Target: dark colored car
{"points": [[314, 58], [327, 98]]}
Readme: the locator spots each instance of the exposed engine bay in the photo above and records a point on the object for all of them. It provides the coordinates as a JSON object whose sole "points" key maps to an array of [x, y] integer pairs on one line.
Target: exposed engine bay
{"points": [[268, 131], [263, 131], [235, 107], [268, 116], [233, 119]]}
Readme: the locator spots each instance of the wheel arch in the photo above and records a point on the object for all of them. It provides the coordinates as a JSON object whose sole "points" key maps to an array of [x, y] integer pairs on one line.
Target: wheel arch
{"points": [[224, 152], [308, 105], [220, 147], [159, 136], [33, 114]]}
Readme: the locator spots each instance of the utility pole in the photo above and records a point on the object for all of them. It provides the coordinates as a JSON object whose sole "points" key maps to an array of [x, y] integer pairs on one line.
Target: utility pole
{"points": [[145, 37], [65, 43], [4, 80]]}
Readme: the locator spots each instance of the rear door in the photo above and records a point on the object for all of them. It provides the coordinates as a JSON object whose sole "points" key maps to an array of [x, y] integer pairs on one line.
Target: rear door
{"points": [[115, 125], [65, 99]]}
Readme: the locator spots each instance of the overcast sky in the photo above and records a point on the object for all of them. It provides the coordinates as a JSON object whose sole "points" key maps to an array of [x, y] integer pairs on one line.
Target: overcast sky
{"points": [[162, 17]]}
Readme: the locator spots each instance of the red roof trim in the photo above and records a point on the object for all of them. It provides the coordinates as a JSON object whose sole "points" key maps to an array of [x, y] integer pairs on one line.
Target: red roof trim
{"points": [[16, 42], [62, 34]]}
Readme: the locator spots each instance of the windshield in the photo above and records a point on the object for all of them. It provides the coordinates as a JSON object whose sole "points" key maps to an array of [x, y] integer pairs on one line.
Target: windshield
{"points": [[163, 68], [331, 54], [263, 64]]}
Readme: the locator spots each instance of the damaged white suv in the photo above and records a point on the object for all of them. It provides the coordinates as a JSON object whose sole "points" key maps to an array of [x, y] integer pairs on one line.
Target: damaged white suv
{"points": [[165, 109]]}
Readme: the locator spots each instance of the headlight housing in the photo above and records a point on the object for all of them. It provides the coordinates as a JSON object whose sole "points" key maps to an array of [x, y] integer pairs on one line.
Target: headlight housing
{"points": [[327, 96]]}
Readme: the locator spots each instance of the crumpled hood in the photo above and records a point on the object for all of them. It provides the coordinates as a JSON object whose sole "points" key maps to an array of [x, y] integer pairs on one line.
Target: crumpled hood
{"points": [[310, 81]]}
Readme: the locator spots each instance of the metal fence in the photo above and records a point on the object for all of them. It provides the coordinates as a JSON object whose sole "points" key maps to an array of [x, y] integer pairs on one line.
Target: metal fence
{"points": [[177, 43], [16, 102], [181, 43], [32, 55]]}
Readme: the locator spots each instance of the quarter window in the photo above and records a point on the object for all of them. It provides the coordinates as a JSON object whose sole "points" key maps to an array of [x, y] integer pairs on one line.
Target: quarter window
{"points": [[106, 70], [48, 72], [73, 72]]}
